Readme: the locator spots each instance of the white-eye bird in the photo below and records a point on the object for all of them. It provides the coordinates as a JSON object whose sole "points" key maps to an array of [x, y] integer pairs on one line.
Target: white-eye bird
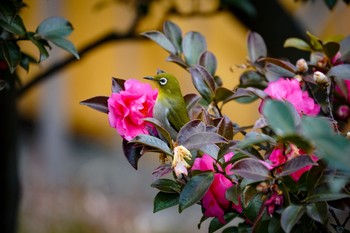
{"points": [[170, 107]]}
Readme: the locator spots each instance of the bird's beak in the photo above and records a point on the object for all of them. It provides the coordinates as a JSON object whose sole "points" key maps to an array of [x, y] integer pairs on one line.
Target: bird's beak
{"points": [[148, 77]]}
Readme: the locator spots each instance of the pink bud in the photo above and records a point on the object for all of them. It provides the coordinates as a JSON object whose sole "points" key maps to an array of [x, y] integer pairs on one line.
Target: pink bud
{"points": [[343, 112]]}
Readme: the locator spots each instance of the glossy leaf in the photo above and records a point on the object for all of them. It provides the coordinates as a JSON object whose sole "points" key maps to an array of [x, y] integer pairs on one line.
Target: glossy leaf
{"points": [[165, 200], [153, 142], [195, 189], [41, 45], [117, 85], [161, 40], [11, 53], [98, 103], [280, 116], [166, 186], [256, 47], [297, 43], [203, 82], [65, 44], [56, 27], [198, 140], [132, 153], [251, 211], [280, 63], [318, 211], [290, 216], [191, 100], [315, 42], [252, 78], [331, 49], [177, 60], [190, 128], [252, 169], [13, 24], [215, 224], [296, 164], [193, 45], [274, 72], [208, 60], [233, 194], [174, 34], [26, 60], [326, 197], [163, 133], [340, 71], [222, 94], [225, 128], [254, 138]]}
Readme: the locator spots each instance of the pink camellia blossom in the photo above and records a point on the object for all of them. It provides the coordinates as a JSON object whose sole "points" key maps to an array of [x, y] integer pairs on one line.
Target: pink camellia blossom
{"points": [[278, 157], [127, 108], [214, 200], [275, 200], [289, 90]]}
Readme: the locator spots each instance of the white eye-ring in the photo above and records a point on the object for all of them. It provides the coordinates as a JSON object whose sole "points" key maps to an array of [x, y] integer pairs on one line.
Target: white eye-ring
{"points": [[163, 81]]}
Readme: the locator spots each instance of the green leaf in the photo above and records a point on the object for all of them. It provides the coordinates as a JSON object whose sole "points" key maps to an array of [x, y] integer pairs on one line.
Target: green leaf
{"points": [[163, 133], [252, 169], [254, 138], [208, 60], [132, 153], [165, 200], [252, 78], [65, 44], [215, 224], [331, 49], [297, 43], [26, 60], [161, 40], [315, 42], [253, 208], [296, 164], [98, 103], [166, 186], [54, 27], [191, 100], [326, 197], [41, 45], [256, 47], [341, 71], [11, 53], [233, 193], [13, 24], [198, 140], [195, 189], [177, 60], [223, 94], [174, 34], [152, 142], [203, 82], [290, 216], [193, 45], [281, 117], [318, 211]]}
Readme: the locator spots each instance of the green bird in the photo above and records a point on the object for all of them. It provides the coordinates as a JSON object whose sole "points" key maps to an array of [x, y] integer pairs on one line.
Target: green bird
{"points": [[170, 108]]}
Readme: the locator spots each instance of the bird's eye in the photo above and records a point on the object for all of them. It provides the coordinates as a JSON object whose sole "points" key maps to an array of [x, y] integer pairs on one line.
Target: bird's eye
{"points": [[163, 81]]}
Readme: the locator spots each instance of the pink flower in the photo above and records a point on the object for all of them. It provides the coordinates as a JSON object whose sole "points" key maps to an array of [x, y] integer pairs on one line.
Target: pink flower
{"points": [[275, 200], [278, 157], [289, 90], [128, 108], [214, 200]]}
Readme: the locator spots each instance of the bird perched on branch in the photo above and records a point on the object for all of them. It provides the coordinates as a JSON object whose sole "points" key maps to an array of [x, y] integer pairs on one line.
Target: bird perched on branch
{"points": [[170, 108]]}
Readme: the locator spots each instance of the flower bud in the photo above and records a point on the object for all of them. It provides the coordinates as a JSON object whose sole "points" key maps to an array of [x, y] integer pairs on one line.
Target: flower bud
{"points": [[302, 65], [298, 77], [343, 112], [320, 78], [263, 187], [348, 135]]}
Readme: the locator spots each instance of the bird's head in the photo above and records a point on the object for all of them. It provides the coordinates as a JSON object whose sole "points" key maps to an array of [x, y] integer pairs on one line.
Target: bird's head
{"points": [[166, 83]]}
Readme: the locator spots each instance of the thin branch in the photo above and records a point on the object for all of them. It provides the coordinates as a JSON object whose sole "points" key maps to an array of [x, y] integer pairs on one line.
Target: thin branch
{"points": [[110, 37]]}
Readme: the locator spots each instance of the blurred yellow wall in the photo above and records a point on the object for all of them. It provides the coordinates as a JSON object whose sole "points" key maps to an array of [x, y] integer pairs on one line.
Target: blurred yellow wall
{"points": [[91, 75]]}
